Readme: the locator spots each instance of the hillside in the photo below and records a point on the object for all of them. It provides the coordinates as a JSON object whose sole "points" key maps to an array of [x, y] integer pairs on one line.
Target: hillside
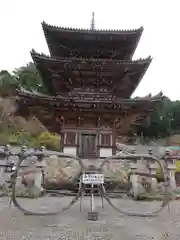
{"points": [[16, 130]]}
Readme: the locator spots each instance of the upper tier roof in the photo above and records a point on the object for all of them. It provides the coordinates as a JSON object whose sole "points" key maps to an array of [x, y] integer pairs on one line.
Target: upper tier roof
{"points": [[63, 75], [72, 42]]}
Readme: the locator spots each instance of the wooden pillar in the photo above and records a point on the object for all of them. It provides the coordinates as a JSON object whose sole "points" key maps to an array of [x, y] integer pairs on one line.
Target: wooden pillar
{"points": [[79, 121], [78, 135], [114, 138], [59, 124], [98, 137], [99, 122]]}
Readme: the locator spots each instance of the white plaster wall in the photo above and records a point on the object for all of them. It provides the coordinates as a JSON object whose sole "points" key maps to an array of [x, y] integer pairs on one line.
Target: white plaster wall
{"points": [[70, 150], [105, 152]]}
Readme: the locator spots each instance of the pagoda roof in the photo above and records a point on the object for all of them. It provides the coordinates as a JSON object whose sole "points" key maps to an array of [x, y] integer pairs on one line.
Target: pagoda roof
{"points": [[64, 41], [85, 103], [128, 112], [119, 77], [94, 31]]}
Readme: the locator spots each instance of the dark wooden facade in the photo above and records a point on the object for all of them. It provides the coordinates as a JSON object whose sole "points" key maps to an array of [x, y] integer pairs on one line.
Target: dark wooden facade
{"points": [[90, 77], [87, 43]]}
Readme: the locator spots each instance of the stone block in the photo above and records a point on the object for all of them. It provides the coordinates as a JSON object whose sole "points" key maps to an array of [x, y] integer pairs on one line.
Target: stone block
{"points": [[93, 216]]}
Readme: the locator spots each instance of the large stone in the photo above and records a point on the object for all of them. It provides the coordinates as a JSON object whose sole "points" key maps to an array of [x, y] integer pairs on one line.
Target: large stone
{"points": [[116, 173], [58, 170]]}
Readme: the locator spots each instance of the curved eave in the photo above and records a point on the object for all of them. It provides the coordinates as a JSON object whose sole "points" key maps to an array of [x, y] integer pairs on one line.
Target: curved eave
{"points": [[46, 26], [154, 105], [142, 117], [137, 42], [116, 65], [135, 34], [153, 101], [34, 99], [36, 57], [142, 75]]}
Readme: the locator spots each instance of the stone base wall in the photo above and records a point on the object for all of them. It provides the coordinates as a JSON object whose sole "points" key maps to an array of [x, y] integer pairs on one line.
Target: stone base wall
{"points": [[63, 174]]}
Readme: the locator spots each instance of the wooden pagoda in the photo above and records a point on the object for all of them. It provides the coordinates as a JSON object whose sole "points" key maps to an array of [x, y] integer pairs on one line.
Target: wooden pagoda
{"points": [[90, 77]]}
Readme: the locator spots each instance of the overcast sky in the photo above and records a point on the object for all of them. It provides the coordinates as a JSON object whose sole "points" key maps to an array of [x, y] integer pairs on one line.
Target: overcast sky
{"points": [[20, 26]]}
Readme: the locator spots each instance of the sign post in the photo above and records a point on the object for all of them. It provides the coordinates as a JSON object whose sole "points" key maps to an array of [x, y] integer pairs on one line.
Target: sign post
{"points": [[93, 179]]}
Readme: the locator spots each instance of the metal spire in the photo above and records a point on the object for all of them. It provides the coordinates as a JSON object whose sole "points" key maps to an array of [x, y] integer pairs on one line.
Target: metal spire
{"points": [[92, 22]]}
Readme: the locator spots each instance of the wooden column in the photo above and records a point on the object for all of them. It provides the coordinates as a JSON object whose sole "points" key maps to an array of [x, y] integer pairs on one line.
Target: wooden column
{"points": [[114, 137], [59, 125], [78, 136], [98, 136]]}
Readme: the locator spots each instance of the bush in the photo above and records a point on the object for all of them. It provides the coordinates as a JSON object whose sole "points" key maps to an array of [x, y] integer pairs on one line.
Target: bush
{"points": [[50, 140], [15, 137], [20, 137]]}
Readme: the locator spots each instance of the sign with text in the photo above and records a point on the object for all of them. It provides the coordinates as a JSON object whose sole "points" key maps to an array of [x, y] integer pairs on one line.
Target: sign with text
{"points": [[93, 178]]}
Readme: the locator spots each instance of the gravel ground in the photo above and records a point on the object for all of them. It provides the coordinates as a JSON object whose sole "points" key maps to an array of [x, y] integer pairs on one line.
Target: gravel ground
{"points": [[74, 225]]}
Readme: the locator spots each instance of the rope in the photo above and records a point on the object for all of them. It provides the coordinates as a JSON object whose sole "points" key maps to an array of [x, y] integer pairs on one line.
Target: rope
{"points": [[154, 213], [134, 214], [27, 212], [165, 201]]}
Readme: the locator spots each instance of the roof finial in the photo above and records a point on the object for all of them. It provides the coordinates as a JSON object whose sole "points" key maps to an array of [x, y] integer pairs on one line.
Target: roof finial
{"points": [[92, 22]]}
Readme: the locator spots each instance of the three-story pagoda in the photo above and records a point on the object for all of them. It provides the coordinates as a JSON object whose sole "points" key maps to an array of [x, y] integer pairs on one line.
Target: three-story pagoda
{"points": [[90, 77]]}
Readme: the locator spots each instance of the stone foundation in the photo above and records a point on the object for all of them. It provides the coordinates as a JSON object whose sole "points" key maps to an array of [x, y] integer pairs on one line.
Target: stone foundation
{"points": [[63, 174]]}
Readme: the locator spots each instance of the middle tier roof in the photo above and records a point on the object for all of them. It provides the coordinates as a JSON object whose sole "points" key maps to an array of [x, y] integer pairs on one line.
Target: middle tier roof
{"points": [[64, 75]]}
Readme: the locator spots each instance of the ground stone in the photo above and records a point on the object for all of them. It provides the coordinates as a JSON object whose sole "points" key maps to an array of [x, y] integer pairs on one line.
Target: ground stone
{"points": [[74, 225]]}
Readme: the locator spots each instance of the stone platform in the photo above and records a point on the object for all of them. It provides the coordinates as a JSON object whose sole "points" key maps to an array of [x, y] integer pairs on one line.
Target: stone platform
{"points": [[75, 225]]}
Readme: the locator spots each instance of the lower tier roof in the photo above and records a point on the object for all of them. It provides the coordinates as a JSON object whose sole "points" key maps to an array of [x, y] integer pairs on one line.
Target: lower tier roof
{"points": [[78, 103], [123, 114]]}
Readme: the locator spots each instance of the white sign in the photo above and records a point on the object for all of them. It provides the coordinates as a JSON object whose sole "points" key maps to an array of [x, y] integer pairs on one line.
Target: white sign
{"points": [[93, 178]]}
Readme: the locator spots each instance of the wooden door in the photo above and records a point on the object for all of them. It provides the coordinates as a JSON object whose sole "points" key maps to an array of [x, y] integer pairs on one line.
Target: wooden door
{"points": [[88, 146]]}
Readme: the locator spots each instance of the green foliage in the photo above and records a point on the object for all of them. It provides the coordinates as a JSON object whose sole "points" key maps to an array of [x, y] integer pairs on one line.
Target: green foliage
{"points": [[164, 122], [49, 140], [12, 136], [29, 78], [26, 76], [8, 84]]}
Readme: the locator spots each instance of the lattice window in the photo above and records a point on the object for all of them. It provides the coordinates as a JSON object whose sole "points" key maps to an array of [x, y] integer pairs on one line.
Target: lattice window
{"points": [[106, 140], [70, 138]]}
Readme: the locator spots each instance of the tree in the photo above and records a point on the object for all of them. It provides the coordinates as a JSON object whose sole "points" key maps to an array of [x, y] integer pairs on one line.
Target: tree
{"points": [[29, 78], [164, 122], [8, 84]]}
